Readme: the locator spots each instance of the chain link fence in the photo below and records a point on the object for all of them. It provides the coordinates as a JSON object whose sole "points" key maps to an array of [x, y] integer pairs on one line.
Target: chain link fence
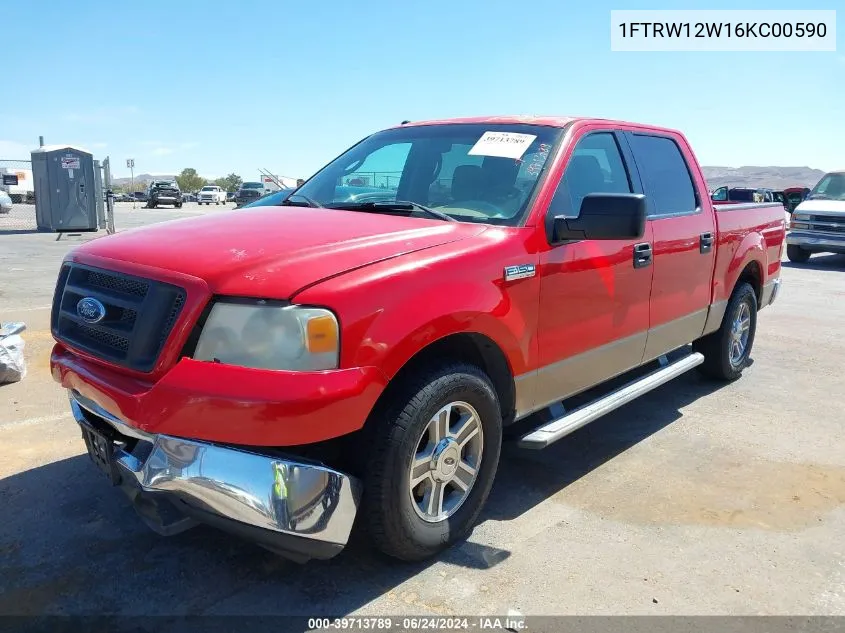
{"points": [[16, 181]]}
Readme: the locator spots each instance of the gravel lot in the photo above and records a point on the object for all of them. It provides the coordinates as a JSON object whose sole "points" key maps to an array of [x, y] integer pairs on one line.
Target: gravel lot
{"points": [[699, 498]]}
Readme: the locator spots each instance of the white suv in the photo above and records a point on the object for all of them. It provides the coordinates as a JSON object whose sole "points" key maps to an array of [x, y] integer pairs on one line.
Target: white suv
{"points": [[211, 193]]}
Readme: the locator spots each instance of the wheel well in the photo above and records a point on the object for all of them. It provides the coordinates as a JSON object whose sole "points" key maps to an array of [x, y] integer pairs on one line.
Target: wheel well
{"points": [[752, 275], [474, 349]]}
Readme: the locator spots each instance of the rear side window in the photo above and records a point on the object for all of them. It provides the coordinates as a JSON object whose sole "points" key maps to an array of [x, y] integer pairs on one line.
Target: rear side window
{"points": [[665, 175], [596, 166]]}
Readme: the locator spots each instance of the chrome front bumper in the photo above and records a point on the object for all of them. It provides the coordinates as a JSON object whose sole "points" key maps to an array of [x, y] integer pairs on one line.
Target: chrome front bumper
{"points": [[816, 242], [298, 509]]}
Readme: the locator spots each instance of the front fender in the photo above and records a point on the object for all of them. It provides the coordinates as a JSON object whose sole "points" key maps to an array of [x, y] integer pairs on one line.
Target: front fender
{"points": [[390, 311]]}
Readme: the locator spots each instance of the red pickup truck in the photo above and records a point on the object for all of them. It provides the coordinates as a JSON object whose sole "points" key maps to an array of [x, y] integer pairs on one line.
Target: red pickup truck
{"points": [[277, 371]]}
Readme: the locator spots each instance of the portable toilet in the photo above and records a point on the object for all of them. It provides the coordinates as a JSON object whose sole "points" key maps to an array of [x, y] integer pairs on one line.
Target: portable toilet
{"points": [[65, 189]]}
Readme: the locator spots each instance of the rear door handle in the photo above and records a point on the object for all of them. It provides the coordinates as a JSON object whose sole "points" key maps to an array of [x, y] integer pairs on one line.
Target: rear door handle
{"points": [[642, 255], [706, 242]]}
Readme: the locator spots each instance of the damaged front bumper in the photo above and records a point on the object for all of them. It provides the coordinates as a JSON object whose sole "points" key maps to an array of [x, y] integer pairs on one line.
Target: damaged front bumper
{"points": [[298, 509]]}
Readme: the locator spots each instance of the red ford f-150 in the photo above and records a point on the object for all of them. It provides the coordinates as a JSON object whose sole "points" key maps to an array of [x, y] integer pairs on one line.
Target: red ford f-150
{"points": [[277, 372]]}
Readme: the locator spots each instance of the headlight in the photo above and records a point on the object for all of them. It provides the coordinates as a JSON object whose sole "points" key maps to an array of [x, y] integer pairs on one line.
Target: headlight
{"points": [[264, 336]]}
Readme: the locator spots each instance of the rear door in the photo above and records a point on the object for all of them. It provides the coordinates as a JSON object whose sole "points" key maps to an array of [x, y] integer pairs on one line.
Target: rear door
{"points": [[684, 240], [594, 294]]}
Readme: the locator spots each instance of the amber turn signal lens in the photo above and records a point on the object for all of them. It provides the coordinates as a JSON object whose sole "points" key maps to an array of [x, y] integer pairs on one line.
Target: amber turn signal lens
{"points": [[321, 335]]}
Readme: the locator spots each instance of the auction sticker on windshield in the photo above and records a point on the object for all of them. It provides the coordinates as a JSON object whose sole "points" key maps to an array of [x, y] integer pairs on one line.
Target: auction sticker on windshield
{"points": [[502, 144]]}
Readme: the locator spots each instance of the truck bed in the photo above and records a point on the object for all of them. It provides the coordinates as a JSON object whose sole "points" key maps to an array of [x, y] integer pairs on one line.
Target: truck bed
{"points": [[760, 224]]}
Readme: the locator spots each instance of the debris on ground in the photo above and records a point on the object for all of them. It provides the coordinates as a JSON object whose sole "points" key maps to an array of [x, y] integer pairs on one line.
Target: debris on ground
{"points": [[12, 364]]}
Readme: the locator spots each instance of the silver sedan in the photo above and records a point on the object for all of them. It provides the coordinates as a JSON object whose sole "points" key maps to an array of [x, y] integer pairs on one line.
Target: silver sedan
{"points": [[5, 202]]}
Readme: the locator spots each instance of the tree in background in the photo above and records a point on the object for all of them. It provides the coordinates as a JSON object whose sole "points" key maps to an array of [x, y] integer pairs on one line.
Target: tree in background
{"points": [[190, 180], [232, 182]]}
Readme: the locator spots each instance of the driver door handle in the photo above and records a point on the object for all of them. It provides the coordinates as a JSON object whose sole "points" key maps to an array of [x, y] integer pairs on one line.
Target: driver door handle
{"points": [[642, 255]]}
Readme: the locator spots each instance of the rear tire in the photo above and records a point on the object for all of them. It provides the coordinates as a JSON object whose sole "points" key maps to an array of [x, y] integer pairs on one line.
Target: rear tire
{"points": [[457, 404], [797, 254], [728, 349]]}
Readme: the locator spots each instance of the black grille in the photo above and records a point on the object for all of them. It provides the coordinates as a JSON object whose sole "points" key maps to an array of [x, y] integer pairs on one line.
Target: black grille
{"points": [[826, 223], [139, 315]]}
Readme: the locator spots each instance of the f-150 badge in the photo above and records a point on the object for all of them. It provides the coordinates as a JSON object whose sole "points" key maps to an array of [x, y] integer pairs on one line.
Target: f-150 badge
{"points": [[522, 271]]}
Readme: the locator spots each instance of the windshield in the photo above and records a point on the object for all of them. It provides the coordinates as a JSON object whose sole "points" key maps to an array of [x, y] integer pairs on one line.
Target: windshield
{"points": [[164, 183], [476, 172], [208, 189], [830, 187]]}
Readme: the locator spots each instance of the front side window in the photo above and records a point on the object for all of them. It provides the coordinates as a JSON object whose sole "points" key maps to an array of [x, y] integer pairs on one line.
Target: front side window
{"points": [[470, 172], [665, 175], [720, 195], [830, 187], [596, 166]]}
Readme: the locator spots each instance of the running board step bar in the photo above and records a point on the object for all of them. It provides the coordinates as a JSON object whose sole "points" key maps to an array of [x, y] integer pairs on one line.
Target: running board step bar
{"points": [[561, 427]]}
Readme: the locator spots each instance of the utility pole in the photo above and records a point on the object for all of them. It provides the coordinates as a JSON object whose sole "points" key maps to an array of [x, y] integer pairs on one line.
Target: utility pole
{"points": [[130, 163]]}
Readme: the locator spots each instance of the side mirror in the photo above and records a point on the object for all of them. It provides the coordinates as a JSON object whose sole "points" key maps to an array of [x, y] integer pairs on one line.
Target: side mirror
{"points": [[604, 216]]}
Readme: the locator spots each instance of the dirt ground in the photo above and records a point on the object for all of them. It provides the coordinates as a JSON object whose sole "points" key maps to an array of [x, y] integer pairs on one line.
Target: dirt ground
{"points": [[699, 498]]}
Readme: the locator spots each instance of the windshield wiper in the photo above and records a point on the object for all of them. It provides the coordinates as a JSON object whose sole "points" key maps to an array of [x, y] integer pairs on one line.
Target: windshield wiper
{"points": [[392, 205], [307, 202]]}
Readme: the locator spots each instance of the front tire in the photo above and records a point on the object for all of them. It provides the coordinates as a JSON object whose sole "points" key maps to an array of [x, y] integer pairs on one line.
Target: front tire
{"points": [[728, 349], [435, 451], [797, 254]]}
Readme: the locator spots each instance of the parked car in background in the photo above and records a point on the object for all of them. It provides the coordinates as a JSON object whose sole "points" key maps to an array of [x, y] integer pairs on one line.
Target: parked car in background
{"points": [[739, 195], [230, 196], [211, 194], [818, 222], [5, 202], [284, 368], [249, 192], [163, 192], [122, 196], [269, 200], [187, 196], [795, 196], [351, 194], [140, 196]]}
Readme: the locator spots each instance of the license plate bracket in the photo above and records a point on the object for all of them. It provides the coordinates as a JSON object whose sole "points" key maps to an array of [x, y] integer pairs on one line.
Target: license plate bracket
{"points": [[101, 450]]}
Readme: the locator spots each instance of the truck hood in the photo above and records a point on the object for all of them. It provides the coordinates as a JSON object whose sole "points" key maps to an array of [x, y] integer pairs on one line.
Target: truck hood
{"points": [[273, 252], [830, 207]]}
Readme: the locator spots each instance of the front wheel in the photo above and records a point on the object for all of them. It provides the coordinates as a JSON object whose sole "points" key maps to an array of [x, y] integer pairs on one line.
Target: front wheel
{"points": [[435, 451], [797, 254], [728, 349]]}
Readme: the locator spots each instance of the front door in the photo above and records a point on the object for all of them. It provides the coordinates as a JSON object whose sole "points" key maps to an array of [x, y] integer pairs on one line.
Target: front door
{"points": [[594, 294]]}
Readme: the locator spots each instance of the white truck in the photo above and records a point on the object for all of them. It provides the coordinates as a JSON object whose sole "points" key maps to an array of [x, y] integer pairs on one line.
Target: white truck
{"points": [[211, 194], [17, 182]]}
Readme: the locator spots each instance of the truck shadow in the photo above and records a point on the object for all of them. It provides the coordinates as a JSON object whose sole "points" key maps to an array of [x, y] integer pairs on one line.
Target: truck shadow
{"points": [[70, 544], [820, 262]]}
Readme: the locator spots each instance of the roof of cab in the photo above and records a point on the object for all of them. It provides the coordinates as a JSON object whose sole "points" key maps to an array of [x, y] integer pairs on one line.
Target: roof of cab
{"points": [[535, 119]]}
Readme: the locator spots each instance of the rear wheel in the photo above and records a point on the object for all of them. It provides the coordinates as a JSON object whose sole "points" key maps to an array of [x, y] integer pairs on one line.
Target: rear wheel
{"points": [[797, 254], [434, 456], [727, 350]]}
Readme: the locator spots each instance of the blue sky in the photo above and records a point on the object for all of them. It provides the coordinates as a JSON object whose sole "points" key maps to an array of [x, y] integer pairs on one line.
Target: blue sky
{"points": [[239, 86]]}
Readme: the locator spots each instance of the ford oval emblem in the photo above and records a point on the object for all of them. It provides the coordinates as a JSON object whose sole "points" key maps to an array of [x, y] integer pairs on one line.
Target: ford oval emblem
{"points": [[91, 310]]}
